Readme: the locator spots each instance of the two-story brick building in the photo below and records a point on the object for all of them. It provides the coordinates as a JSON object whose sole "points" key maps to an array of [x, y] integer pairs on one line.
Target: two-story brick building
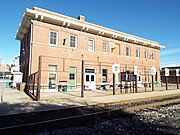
{"points": [[55, 45]]}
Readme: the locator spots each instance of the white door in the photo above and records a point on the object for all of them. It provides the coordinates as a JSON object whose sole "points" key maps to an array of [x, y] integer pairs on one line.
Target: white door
{"points": [[90, 79]]}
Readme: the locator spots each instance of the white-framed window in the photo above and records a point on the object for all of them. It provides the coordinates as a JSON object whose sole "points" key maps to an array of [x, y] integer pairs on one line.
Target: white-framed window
{"points": [[127, 51], [145, 54], [105, 47], [140, 76], [52, 68], [90, 44], [73, 41], [152, 56], [53, 37], [104, 75], [137, 52], [147, 76]]}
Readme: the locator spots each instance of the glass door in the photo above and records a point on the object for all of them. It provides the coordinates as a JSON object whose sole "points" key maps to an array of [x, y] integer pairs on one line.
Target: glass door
{"points": [[52, 80]]}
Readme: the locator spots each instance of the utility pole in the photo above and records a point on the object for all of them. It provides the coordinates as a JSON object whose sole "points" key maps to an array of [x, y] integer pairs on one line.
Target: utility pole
{"points": [[0, 63], [2, 81]]}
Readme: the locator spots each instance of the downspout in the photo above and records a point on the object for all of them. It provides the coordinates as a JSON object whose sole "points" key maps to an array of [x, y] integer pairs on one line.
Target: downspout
{"points": [[30, 52]]}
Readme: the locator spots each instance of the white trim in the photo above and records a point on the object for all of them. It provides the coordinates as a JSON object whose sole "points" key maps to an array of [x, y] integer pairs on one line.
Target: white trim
{"points": [[93, 44], [128, 52], [107, 47], [146, 54], [48, 79], [85, 83], [137, 49], [75, 75], [55, 16], [56, 38], [152, 55], [75, 41], [30, 50]]}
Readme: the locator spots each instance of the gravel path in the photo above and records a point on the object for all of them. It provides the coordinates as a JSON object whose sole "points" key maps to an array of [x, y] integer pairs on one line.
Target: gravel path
{"points": [[161, 120]]}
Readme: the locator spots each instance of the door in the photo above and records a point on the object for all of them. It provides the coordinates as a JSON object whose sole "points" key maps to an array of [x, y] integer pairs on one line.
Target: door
{"points": [[90, 79], [52, 80], [72, 77]]}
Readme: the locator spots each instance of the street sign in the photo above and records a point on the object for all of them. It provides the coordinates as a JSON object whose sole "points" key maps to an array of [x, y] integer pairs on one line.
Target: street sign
{"points": [[166, 72], [116, 68], [177, 72], [153, 70], [136, 70]]}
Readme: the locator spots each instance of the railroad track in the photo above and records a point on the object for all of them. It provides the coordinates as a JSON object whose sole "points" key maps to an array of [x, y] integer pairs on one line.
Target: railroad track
{"points": [[33, 122]]}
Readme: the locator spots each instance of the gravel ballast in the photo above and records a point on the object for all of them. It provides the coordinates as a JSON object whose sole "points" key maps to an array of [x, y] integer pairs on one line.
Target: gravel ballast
{"points": [[164, 120]]}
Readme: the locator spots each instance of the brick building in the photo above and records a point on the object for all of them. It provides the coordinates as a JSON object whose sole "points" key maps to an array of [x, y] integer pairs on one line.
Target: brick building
{"points": [[172, 78], [54, 45]]}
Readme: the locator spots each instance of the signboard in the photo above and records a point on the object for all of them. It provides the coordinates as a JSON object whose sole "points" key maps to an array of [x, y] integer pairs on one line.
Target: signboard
{"points": [[153, 70], [177, 72], [136, 70], [166, 72], [116, 68]]}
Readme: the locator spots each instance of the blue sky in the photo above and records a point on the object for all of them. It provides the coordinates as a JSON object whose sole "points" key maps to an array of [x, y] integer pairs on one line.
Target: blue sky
{"points": [[157, 20]]}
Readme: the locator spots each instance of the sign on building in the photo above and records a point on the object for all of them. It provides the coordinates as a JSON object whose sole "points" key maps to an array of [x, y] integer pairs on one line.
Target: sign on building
{"points": [[153, 70], [177, 72], [136, 70], [116, 68], [166, 72]]}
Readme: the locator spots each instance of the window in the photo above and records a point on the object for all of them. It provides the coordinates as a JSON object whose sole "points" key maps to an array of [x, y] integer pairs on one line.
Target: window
{"points": [[71, 76], [147, 76], [88, 70], [52, 68], [127, 51], [87, 78], [104, 75], [91, 45], [145, 54], [53, 37], [105, 47], [152, 56], [73, 41], [140, 76], [137, 52]]}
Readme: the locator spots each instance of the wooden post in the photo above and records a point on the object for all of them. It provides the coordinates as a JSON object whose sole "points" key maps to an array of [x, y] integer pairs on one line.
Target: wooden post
{"points": [[33, 83], [166, 83], [121, 84], [152, 82], [82, 79], [39, 79], [136, 87], [145, 78], [113, 84], [177, 78]]}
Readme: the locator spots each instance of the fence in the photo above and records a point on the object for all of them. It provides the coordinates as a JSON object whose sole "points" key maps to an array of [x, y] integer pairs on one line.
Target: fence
{"points": [[32, 86], [86, 75]]}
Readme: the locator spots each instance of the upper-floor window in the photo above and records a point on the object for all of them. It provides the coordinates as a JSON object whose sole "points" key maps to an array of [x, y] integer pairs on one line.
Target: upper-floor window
{"points": [[127, 51], [105, 47], [73, 41], [91, 45], [152, 56], [137, 52], [53, 37], [145, 54]]}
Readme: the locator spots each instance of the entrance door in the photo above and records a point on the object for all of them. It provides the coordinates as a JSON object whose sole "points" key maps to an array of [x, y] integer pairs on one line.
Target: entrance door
{"points": [[72, 77], [52, 80], [90, 79]]}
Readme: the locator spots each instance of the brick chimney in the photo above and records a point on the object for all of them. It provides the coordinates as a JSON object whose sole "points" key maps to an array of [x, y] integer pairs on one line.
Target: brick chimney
{"points": [[81, 18]]}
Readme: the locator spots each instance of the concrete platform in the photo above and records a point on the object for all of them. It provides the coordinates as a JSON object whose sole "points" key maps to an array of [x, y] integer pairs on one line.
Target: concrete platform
{"points": [[15, 101]]}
